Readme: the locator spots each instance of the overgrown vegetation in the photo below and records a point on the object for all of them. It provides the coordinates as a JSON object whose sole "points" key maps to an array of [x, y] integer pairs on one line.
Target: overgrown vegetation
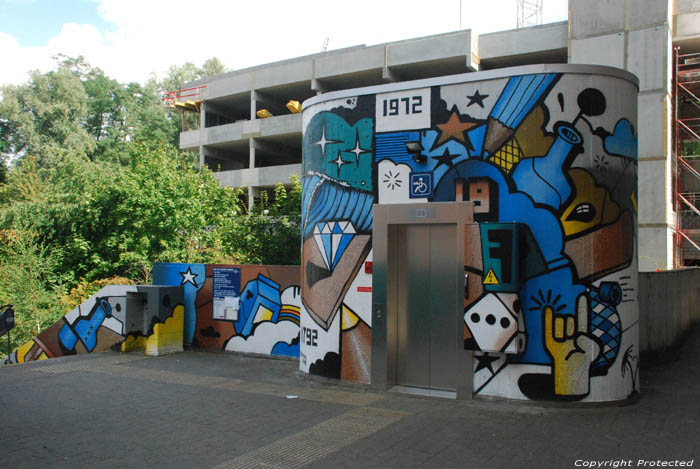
{"points": [[97, 192]]}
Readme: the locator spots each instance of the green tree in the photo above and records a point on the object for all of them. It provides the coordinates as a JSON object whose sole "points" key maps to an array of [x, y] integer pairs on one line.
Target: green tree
{"points": [[45, 116], [271, 232], [212, 67], [28, 281]]}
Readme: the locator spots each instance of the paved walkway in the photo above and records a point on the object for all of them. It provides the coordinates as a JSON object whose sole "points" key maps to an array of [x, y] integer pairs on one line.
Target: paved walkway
{"points": [[219, 410]]}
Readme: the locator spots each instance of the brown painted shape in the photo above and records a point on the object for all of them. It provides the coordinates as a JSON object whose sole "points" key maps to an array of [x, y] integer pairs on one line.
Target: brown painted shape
{"points": [[285, 275], [603, 251], [48, 339], [106, 338], [33, 353], [205, 319], [355, 353], [480, 194], [530, 135], [496, 134], [474, 261], [323, 298]]}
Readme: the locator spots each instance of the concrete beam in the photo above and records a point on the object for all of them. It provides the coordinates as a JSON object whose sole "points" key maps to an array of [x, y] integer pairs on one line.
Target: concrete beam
{"points": [[258, 177]]}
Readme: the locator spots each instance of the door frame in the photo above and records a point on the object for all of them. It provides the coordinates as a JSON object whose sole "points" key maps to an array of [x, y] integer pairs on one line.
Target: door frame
{"points": [[384, 310]]}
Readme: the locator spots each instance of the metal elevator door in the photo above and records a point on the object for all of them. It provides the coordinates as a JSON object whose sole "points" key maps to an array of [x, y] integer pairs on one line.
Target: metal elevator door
{"points": [[425, 264]]}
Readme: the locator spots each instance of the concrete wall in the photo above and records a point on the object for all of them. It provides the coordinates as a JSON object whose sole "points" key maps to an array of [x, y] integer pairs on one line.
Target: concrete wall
{"points": [[621, 34], [258, 177], [669, 304]]}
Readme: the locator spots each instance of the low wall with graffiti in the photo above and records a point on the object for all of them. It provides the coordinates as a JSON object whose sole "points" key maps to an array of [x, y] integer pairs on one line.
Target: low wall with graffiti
{"points": [[127, 317], [238, 308], [551, 149], [669, 305]]}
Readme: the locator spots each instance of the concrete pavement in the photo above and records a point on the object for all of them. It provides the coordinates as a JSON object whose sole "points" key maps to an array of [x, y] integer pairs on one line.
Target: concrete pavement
{"points": [[198, 409]]}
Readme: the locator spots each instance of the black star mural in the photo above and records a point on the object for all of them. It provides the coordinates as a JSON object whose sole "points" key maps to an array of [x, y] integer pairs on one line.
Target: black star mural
{"points": [[485, 361], [445, 159], [477, 98]]}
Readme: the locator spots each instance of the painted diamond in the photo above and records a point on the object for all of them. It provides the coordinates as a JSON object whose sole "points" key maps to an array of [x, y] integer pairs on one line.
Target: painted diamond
{"points": [[332, 239]]}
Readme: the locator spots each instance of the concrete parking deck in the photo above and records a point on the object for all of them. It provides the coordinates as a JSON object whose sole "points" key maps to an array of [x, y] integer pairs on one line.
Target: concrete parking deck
{"points": [[219, 410]]}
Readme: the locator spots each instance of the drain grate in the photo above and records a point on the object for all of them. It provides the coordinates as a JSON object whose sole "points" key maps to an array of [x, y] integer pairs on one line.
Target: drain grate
{"points": [[316, 442]]}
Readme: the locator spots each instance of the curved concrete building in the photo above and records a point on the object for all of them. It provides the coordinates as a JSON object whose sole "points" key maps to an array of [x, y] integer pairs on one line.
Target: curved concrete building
{"points": [[475, 234]]}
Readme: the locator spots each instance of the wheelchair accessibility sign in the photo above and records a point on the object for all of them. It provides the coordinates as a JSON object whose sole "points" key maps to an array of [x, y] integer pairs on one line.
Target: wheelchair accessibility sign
{"points": [[421, 185]]}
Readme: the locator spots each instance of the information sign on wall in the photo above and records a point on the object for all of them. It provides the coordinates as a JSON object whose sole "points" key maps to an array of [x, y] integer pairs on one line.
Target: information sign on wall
{"points": [[226, 285]]}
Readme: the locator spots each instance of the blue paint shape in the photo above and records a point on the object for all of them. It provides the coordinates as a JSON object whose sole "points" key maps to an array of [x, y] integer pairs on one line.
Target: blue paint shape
{"points": [[622, 142], [261, 292], [86, 329], [476, 135], [544, 179], [325, 199], [286, 350], [67, 337], [519, 96], [512, 206]]}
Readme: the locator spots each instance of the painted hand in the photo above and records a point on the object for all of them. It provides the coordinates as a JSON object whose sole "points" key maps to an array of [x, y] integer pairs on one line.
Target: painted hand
{"points": [[572, 349]]}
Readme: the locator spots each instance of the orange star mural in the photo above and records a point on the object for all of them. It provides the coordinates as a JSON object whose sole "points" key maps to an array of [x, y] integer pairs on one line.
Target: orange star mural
{"points": [[454, 128]]}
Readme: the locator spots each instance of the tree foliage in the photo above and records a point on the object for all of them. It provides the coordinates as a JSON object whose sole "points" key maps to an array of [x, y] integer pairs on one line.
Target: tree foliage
{"points": [[98, 190]]}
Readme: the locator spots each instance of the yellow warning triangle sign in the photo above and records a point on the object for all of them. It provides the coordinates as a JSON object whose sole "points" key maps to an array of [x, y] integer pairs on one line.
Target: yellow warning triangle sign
{"points": [[491, 278]]}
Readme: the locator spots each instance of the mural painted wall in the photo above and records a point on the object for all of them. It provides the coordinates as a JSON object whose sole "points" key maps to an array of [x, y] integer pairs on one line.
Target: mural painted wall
{"points": [[249, 308], [104, 322], [550, 160], [338, 192]]}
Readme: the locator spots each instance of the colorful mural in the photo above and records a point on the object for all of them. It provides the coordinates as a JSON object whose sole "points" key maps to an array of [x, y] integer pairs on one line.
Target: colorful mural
{"points": [[250, 309], [239, 308], [106, 320], [549, 160], [338, 193]]}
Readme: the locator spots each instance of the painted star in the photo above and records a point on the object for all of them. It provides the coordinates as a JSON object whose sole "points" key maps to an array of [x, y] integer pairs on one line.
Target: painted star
{"points": [[485, 361], [454, 129], [477, 98], [189, 277], [445, 159], [339, 161], [323, 142], [357, 151]]}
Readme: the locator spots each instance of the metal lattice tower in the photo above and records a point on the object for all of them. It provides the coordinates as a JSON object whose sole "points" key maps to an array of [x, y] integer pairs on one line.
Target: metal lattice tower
{"points": [[529, 12]]}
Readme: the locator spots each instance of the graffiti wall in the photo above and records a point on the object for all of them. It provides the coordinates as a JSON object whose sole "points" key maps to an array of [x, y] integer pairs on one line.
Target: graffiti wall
{"points": [[115, 317], [549, 159], [249, 308]]}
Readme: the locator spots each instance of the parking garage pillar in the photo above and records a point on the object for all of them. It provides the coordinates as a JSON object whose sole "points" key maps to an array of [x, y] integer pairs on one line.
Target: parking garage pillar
{"points": [[202, 127]]}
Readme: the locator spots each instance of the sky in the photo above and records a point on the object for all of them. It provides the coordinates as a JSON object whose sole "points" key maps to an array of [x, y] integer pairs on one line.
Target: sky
{"points": [[133, 39]]}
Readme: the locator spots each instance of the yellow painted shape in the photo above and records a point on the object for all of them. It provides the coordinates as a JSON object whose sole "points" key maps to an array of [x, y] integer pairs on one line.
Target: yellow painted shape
{"points": [[23, 350], [350, 319], [593, 197], [508, 155], [169, 333], [290, 309], [132, 343], [491, 278], [43, 356], [263, 314]]}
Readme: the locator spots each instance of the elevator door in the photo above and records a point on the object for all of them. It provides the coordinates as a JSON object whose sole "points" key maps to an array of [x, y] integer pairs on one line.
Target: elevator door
{"points": [[426, 267]]}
